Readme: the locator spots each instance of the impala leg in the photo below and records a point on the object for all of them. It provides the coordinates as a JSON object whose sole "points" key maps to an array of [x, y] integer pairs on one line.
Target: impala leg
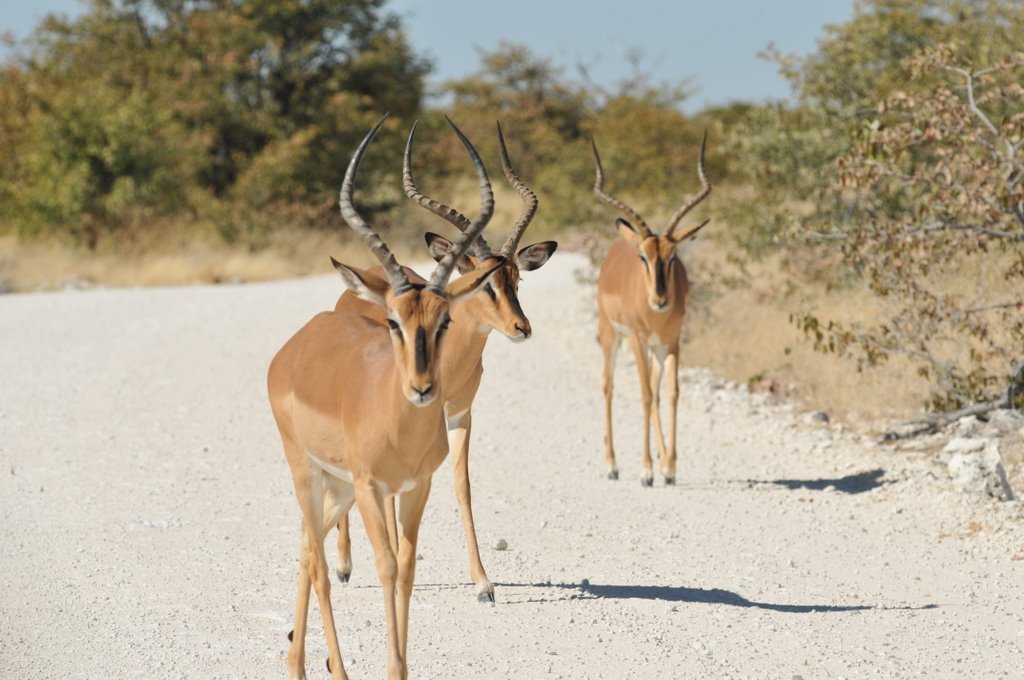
{"points": [[389, 512], [460, 427], [297, 648], [371, 508], [344, 567], [610, 341], [657, 367], [672, 379], [411, 512], [642, 367], [316, 561]]}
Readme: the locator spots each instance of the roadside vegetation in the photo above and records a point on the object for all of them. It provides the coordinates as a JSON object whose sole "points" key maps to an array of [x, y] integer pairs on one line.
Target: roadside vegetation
{"points": [[867, 250]]}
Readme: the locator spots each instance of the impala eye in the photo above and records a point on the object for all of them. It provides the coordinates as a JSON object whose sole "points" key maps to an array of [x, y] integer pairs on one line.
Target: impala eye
{"points": [[490, 292], [647, 265], [393, 325], [443, 326]]}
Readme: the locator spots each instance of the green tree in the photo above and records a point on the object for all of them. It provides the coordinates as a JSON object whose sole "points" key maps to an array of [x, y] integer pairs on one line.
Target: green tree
{"points": [[780, 150], [235, 112], [938, 185]]}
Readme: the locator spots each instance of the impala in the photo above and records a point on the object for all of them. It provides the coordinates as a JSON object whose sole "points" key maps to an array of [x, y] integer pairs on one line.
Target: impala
{"points": [[461, 364], [356, 405], [641, 295]]}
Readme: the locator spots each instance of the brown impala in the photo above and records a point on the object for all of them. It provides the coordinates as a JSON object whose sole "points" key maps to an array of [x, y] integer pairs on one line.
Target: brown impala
{"points": [[641, 295], [461, 364], [356, 404]]}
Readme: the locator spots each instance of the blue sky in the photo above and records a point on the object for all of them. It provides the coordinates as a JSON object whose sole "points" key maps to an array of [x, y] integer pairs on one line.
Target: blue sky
{"points": [[713, 43]]}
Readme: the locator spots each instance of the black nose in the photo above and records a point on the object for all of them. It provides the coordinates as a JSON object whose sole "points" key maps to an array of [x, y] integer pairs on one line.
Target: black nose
{"points": [[425, 391], [525, 331]]}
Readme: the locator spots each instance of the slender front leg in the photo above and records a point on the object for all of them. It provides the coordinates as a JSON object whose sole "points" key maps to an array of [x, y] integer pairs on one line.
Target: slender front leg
{"points": [[460, 426], [610, 347], [411, 513], [389, 511], [657, 364], [642, 367], [672, 369], [371, 508], [344, 568]]}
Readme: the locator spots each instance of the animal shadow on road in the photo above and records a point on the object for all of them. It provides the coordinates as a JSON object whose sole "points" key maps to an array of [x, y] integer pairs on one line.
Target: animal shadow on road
{"points": [[713, 596], [850, 484]]}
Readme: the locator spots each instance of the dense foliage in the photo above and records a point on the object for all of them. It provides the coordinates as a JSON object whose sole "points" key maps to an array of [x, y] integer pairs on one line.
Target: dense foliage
{"points": [[901, 162], [896, 166], [231, 112]]}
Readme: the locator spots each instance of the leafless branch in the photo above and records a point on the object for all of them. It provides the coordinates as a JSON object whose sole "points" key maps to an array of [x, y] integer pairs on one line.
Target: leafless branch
{"points": [[933, 422], [941, 226], [988, 308]]}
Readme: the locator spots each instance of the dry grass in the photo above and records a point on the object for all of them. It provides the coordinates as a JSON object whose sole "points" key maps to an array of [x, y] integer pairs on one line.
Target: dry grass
{"points": [[745, 334]]}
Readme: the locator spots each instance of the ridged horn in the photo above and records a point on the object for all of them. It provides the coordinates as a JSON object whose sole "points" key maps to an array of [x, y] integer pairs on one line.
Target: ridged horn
{"points": [[399, 281], [705, 190], [453, 216], [439, 278], [529, 199], [611, 200]]}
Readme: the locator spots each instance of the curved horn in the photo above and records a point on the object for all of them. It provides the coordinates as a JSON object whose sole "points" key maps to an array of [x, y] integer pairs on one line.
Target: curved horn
{"points": [[610, 200], [705, 190], [399, 281], [529, 198], [439, 278], [460, 221]]}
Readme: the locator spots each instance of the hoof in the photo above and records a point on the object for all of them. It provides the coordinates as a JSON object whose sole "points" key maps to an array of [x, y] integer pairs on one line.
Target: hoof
{"points": [[328, 664], [614, 474], [343, 577], [485, 593], [647, 481], [291, 634], [670, 481]]}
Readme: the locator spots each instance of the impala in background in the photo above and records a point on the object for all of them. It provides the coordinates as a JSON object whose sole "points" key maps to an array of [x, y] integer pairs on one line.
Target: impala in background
{"points": [[641, 295]]}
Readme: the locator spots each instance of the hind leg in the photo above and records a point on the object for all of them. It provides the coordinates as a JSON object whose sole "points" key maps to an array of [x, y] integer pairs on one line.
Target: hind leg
{"points": [[344, 564]]}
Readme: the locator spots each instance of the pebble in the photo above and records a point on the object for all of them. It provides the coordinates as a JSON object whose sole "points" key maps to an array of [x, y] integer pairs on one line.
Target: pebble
{"points": [[500, 544]]}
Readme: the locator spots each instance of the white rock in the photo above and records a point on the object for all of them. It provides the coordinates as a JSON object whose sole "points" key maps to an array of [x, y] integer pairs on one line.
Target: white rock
{"points": [[964, 445], [1005, 420], [967, 426], [981, 472]]}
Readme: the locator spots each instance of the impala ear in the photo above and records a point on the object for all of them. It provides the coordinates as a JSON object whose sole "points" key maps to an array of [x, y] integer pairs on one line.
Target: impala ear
{"points": [[627, 231], [472, 283], [535, 256], [364, 284], [439, 247]]}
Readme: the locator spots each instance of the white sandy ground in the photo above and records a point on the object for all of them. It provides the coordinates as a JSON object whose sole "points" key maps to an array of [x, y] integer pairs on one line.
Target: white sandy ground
{"points": [[149, 528]]}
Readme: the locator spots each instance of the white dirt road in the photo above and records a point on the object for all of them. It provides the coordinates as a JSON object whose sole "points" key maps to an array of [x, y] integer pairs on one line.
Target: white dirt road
{"points": [[149, 528]]}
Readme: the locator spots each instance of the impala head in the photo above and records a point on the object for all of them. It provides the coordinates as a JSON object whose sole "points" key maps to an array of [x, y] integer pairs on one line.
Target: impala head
{"points": [[657, 252], [499, 308], [417, 314]]}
